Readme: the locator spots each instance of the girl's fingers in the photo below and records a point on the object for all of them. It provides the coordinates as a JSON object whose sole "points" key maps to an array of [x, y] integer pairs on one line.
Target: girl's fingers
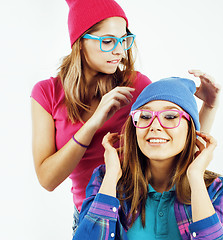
{"points": [[200, 145], [210, 141], [122, 98], [202, 76], [206, 78], [113, 138], [208, 90], [109, 139], [122, 92], [118, 97], [196, 73]]}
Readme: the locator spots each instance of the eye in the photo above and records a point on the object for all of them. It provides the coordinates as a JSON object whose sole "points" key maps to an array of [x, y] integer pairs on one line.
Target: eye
{"points": [[145, 116], [170, 116], [107, 41]]}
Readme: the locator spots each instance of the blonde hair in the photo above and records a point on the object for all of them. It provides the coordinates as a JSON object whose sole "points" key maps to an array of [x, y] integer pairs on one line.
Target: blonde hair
{"points": [[133, 185], [73, 80]]}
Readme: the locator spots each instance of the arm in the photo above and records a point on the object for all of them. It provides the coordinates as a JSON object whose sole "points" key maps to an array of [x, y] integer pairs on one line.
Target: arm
{"points": [[204, 215], [113, 167], [53, 167], [201, 208], [99, 213], [98, 218], [209, 93]]}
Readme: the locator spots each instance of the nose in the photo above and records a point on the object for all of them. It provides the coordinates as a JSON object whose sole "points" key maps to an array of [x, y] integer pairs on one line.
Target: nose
{"points": [[155, 125], [119, 50]]}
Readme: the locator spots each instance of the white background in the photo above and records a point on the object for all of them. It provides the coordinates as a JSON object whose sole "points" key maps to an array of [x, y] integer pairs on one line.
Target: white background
{"points": [[172, 37]]}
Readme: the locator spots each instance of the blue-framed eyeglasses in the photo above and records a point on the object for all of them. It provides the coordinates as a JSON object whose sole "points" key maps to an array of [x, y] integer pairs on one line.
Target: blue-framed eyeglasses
{"points": [[108, 43]]}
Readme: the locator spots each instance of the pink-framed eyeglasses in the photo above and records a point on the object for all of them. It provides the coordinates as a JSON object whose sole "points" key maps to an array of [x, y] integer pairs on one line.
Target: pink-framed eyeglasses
{"points": [[167, 118]]}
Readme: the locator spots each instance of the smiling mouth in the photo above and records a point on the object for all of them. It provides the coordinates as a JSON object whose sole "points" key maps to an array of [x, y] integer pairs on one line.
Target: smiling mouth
{"points": [[114, 61], [155, 140]]}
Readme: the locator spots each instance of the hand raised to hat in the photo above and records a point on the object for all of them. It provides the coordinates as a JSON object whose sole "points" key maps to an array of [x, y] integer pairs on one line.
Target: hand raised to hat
{"points": [[201, 204], [113, 167], [111, 157], [208, 91]]}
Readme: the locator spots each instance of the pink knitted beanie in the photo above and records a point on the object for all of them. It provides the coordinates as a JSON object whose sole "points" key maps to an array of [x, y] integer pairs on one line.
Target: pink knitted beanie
{"points": [[83, 14]]}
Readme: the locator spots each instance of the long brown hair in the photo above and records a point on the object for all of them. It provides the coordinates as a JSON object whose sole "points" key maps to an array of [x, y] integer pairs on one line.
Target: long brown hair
{"points": [[136, 174], [73, 80]]}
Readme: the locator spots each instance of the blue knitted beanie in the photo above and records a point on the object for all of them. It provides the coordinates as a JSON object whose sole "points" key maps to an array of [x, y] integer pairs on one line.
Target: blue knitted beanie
{"points": [[174, 89]]}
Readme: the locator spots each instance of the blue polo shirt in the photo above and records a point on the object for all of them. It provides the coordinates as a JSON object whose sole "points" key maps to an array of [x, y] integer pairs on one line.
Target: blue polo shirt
{"points": [[160, 218]]}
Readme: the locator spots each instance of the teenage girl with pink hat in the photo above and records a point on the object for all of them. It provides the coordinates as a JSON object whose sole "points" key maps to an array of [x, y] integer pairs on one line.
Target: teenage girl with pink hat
{"points": [[91, 95]]}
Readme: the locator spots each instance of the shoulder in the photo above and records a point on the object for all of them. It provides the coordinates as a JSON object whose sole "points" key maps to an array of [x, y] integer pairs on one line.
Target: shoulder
{"points": [[141, 80], [47, 93], [48, 85]]}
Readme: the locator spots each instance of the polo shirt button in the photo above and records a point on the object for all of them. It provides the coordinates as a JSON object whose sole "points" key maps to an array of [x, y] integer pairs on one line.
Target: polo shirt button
{"points": [[112, 235], [161, 214], [194, 234], [114, 209]]}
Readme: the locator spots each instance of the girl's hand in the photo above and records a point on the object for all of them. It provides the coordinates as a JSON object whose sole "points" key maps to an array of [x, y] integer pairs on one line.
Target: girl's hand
{"points": [[111, 157], [208, 91], [110, 103], [202, 157]]}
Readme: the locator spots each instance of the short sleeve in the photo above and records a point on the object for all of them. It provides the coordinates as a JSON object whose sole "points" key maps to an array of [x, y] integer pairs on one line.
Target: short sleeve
{"points": [[141, 82], [42, 92]]}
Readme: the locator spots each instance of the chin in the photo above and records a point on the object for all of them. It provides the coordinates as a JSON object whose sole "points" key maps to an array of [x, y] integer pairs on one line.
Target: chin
{"points": [[110, 71]]}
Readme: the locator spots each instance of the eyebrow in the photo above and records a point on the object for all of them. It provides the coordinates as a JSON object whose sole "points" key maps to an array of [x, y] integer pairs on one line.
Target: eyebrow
{"points": [[165, 108], [111, 35]]}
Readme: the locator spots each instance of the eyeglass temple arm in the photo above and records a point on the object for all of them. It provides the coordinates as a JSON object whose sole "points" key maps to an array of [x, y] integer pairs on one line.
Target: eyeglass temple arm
{"points": [[89, 36], [186, 115]]}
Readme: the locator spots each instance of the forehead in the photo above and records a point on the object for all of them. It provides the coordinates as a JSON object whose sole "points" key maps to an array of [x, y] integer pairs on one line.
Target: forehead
{"points": [[158, 105], [111, 26]]}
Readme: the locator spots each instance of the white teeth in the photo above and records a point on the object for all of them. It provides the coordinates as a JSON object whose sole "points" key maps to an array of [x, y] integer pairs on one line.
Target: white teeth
{"points": [[157, 140]]}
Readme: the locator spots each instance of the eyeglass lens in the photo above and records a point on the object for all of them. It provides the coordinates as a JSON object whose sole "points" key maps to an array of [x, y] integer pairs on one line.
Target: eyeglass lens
{"points": [[107, 44], [168, 119]]}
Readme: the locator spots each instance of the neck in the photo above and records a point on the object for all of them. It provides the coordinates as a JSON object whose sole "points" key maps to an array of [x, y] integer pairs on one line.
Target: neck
{"points": [[90, 79], [89, 74], [161, 174]]}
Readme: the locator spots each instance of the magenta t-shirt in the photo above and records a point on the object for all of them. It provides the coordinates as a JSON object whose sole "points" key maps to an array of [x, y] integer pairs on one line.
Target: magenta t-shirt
{"points": [[50, 95]]}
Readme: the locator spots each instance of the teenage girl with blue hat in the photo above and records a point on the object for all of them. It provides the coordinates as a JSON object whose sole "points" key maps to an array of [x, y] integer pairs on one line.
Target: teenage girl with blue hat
{"points": [[91, 95], [158, 186]]}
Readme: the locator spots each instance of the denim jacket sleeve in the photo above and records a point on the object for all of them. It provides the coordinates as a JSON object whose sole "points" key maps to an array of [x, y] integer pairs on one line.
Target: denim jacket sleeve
{"points": [[99, 214]]}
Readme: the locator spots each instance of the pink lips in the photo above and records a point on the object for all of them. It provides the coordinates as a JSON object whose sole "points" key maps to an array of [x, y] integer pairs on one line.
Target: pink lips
{"points": [[115, 61]]}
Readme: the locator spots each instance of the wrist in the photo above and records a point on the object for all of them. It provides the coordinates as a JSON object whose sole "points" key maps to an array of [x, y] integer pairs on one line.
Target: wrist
{"points": [[113, 176], [213, 104], [210, 107], [195, 178], [93, 124]]}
